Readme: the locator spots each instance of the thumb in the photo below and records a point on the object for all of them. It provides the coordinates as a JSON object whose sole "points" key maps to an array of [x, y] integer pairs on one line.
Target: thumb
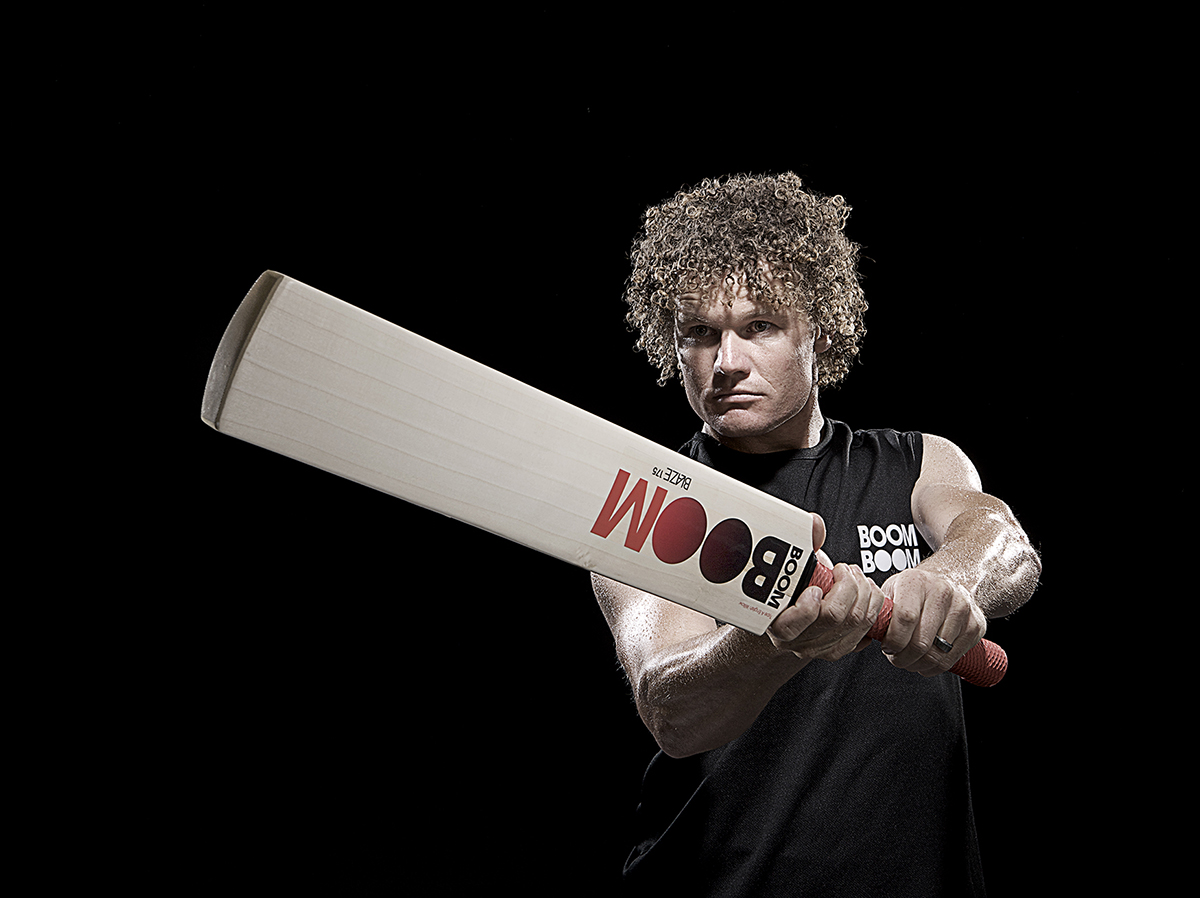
{"points": [[818, 532]]}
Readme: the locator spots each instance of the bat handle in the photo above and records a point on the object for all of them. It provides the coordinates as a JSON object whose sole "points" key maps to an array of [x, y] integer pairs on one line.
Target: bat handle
{"points": [[984, 665]]}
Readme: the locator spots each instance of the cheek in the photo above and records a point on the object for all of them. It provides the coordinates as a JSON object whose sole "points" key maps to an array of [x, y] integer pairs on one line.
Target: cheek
{"points": [[690, 368], [798, 377], [691, 384]]}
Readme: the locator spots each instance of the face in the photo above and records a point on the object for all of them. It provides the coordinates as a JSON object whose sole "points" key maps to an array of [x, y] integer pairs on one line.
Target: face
{"points": [[749, 371]]}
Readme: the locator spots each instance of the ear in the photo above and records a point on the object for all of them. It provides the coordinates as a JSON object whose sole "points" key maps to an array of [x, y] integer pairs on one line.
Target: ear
{"points": [[821, 342]]}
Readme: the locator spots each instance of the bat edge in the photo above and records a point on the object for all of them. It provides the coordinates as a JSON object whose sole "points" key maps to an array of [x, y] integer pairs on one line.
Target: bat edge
{"points": [[233, 345]]}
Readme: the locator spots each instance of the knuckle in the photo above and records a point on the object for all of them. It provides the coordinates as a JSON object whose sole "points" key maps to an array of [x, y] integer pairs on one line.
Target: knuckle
{"points": [[783, 631], [940, 585], [835, 616]]}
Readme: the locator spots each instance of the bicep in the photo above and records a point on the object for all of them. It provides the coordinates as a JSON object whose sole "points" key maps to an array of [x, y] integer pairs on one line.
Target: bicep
{"points": [[948, 486]]}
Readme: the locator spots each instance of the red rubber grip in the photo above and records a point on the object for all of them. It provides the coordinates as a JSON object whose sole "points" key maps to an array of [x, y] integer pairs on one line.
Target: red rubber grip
{"points": [[984, 665]]}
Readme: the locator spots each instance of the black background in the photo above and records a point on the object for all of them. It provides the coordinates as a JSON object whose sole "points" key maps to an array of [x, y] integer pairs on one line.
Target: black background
{"points": [[312, 683]]}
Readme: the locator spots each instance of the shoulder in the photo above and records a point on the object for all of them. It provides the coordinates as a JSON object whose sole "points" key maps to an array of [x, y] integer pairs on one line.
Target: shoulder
{"points": [[943, 462], [948, 486]]}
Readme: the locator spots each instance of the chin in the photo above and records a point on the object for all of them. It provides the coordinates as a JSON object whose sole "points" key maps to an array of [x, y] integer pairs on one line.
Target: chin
{"points": [[738, 427]]}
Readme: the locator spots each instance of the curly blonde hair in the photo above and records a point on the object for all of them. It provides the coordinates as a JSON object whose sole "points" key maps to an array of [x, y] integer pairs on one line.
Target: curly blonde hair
{"points": [[785, 240]]}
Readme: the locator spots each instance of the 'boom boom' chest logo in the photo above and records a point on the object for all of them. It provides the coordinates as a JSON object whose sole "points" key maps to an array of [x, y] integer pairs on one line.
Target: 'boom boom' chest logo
{"points": [[680, 530]]}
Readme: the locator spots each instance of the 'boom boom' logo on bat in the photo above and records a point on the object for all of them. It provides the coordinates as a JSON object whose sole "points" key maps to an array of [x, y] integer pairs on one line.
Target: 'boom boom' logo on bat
{"points": [[681, 529]]}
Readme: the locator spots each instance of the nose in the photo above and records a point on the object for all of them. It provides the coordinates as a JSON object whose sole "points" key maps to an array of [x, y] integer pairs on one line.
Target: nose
{"points": [[731, 355]]}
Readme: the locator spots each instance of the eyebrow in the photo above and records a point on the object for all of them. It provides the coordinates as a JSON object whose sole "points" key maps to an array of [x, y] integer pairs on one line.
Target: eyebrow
{"points": [[682, 317], [763, 311]]}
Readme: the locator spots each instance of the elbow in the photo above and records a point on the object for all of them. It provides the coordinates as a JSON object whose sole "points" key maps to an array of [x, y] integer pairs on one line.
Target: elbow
{"points": [[1022, 573], [675, 742], [676, 731], [657, 714], [1028, 571], [1031, 572], [672, 746]]}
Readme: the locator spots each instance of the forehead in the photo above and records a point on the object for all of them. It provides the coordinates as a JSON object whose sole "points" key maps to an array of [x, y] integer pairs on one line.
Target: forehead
{"points": [[716, 309]]}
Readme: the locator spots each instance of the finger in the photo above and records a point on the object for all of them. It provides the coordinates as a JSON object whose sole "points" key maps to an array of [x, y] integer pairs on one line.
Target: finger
{"points": [[842, 606], [869, 601], [942, 635], [875, 602], [794, 620], [962, 629], [906, 614], [951, 633], [919, 655], [848, 610], [935, 617]]}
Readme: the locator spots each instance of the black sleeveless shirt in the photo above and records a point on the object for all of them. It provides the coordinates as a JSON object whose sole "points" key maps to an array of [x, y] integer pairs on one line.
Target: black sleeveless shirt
{"points": [[853, 780]]}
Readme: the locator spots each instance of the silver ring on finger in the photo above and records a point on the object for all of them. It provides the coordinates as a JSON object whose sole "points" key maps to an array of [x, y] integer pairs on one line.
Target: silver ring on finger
{"points": [[942, 645]]}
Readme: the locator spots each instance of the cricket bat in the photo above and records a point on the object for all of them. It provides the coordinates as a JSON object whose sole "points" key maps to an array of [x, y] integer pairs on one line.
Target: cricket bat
{"points": [[309, 376]]}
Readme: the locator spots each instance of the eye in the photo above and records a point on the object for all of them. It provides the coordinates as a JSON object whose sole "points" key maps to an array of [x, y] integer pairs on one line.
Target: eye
{"points": [[760, 327], [697, 332]]}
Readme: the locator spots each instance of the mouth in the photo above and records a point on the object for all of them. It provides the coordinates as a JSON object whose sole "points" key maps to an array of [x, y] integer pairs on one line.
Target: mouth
{"points": [[728, 396]]}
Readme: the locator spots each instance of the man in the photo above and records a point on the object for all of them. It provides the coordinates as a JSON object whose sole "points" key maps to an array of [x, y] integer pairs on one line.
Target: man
{"points": [[799, 763]]}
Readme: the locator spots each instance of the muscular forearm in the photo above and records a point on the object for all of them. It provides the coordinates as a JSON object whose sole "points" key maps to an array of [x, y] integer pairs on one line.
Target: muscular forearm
{"points": [[986, 552], [698, 686], [701, 693]]}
